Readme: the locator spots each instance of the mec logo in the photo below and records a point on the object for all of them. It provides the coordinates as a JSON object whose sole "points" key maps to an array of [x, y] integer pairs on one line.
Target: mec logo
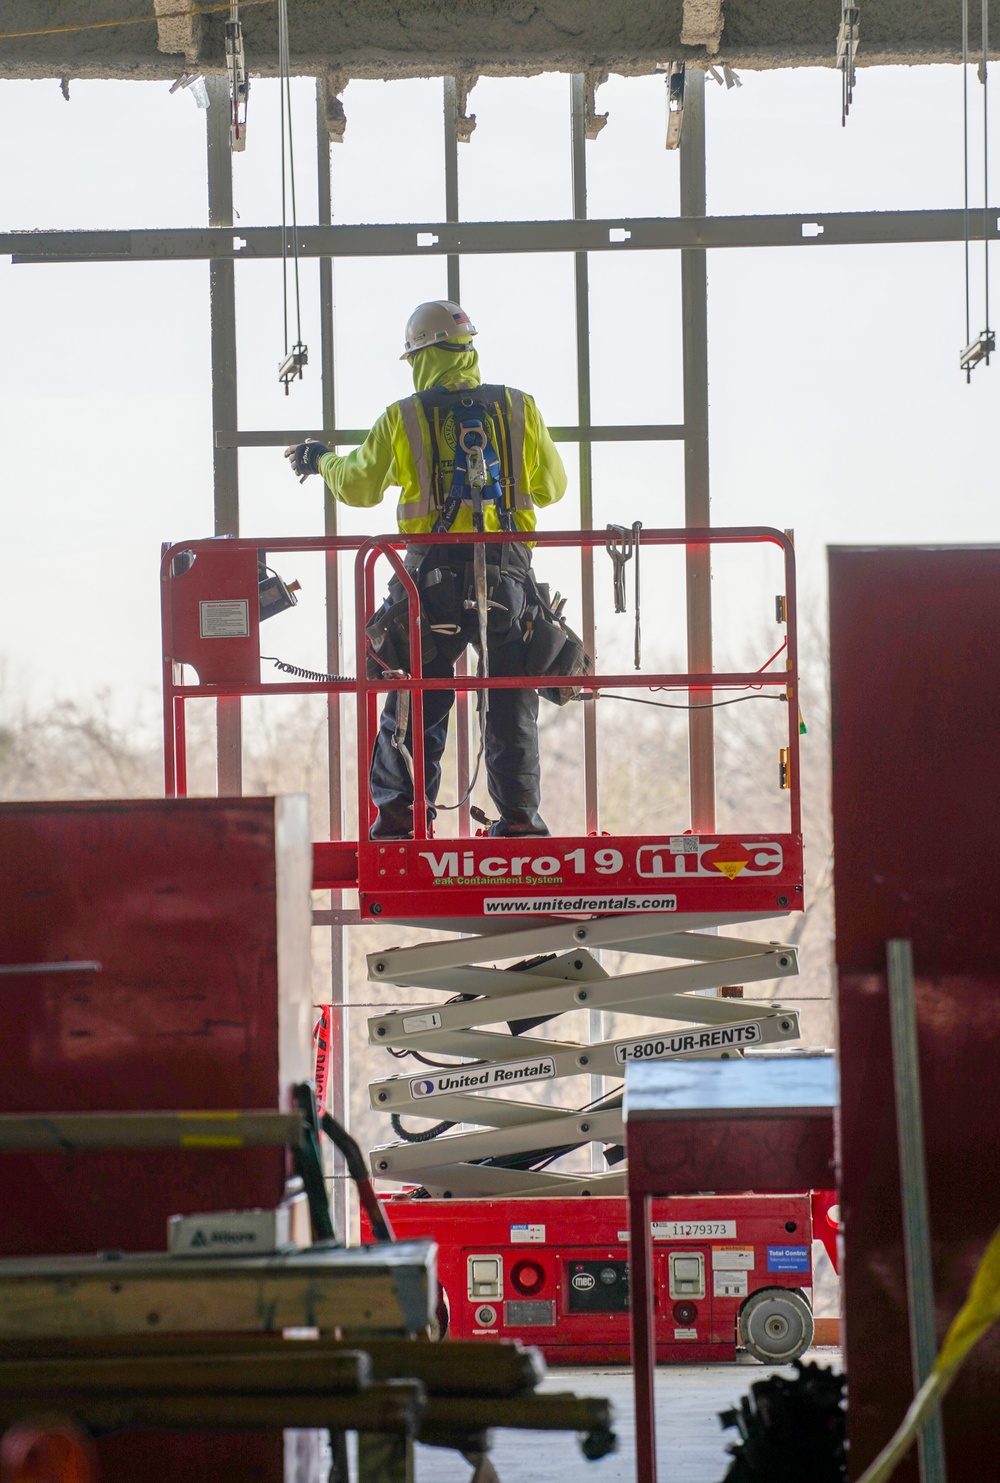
{"points": [[709, 857]]}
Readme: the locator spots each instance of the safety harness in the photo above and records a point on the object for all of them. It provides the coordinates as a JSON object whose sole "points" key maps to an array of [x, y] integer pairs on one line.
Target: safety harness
{"points": [[483, 469], [480, 421]]}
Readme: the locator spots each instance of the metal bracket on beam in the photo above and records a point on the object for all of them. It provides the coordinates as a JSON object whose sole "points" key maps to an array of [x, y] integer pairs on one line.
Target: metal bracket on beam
{"points": [[676, 75], [847, 50]]}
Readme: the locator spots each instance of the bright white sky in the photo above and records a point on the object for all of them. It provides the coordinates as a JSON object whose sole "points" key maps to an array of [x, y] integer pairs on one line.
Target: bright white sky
{"points": [[837, 406]]}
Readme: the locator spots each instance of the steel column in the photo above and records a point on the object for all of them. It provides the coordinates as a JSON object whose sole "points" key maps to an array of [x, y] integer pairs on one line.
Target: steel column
{"points": [[913, 1193], [225, 461], [595, 1017], [464, 771], [694, 301], [451, 179], [579, 145], [340, 1039]]}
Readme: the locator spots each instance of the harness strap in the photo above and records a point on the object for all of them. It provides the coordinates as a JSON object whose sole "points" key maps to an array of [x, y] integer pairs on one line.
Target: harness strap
{"points": [[402, 726], [411, 425]]}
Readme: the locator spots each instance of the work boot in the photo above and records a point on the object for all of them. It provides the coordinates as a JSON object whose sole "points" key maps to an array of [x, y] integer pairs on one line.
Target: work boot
{"points": [[394, 821], [518, 828]]}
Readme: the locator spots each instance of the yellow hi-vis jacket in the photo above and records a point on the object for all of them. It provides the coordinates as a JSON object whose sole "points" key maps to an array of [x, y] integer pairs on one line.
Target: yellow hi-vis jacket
{"points": [[399, 451]]}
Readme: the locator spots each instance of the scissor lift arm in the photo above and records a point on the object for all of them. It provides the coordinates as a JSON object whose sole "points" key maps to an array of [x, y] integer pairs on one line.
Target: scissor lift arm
{"points": [[478, 1161]]}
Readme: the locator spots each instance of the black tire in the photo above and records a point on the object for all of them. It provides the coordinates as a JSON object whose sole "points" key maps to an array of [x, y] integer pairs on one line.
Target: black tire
{"points": [[776, 1325]]}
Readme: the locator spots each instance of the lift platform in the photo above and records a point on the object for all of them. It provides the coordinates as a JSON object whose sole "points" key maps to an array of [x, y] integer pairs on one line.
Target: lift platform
{"points": [[211, 618]]}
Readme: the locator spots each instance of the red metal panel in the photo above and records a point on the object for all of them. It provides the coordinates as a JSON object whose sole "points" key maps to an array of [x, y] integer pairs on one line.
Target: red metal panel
{"points": [[504, 878], [551, 1232], [775, 1152], [916, 793], [214, 619], [178, 901], [428, 880]]}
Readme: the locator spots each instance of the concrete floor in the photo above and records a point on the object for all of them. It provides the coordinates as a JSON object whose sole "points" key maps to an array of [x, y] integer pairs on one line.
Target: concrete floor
{"points": [[691, 1445]]}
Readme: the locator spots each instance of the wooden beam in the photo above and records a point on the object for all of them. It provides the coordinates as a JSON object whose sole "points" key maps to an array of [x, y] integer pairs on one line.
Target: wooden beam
{"points": [[395, 1407], [383, 1289], [459, 1367], [337, 1372]]}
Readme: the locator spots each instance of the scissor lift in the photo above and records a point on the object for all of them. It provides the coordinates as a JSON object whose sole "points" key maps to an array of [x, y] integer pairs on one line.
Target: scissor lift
{"points": [[533, 914]]}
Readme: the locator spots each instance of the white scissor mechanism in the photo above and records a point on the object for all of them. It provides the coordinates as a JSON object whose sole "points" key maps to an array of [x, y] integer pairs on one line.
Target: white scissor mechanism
{"points": [[513, 1142]]}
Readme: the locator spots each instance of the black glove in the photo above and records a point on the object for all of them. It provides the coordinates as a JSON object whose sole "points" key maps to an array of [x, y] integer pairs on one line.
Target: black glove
{"points": [[304, 457]]}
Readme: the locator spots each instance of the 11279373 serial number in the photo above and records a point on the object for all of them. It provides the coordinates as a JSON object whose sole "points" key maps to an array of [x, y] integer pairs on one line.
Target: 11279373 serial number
{"points": [[692, 1230]]}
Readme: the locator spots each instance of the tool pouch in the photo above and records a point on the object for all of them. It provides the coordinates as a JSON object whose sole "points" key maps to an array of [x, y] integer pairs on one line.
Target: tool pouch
{"points": [[506, 602], [389, 640], [552, 648]]}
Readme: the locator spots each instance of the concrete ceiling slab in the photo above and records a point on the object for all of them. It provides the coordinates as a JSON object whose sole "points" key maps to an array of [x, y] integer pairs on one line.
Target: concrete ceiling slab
{"points": [[420, 38]]}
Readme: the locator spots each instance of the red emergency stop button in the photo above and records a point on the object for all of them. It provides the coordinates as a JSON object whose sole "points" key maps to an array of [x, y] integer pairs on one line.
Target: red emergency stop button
{"points": [[527, 1276]]}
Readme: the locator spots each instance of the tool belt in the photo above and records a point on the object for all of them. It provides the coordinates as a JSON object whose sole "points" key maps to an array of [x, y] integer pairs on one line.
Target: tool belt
{"points": [[552, 646], [388, 648], [520, 610]]}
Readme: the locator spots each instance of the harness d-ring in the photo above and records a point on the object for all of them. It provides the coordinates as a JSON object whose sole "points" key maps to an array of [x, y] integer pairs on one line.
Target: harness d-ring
{"points": [[472, 439]]}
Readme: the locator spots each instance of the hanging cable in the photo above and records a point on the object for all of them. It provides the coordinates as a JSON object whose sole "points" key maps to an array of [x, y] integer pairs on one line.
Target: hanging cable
{"points": [[986, 166], [295, 358], [666, 705], [450, 807], [976, 351], [965, 162], [320, 676]]}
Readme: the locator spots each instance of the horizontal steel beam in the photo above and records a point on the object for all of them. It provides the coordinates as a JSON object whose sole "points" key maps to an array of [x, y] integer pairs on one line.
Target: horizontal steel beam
{"points": [[665, 432], [76, 1132], [437, 239]]}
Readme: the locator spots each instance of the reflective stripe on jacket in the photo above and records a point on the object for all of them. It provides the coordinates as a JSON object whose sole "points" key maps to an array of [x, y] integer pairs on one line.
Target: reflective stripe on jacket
{"points": [[399, 452]]}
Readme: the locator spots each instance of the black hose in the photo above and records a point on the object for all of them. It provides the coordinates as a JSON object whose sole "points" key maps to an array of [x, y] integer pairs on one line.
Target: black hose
{"points": [[425, 1137]]}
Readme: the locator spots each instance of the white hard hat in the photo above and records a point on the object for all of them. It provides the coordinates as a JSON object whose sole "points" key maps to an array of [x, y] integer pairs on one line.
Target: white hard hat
{"points": [[435, 323]]}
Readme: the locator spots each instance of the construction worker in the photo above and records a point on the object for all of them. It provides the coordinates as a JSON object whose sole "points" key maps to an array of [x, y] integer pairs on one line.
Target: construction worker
{"points": [[426, 445]]}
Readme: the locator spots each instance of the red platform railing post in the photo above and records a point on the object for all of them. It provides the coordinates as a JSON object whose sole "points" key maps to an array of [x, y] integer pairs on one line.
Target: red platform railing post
{"points": [[792, 632], [643, 1333], [180, 748]]}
